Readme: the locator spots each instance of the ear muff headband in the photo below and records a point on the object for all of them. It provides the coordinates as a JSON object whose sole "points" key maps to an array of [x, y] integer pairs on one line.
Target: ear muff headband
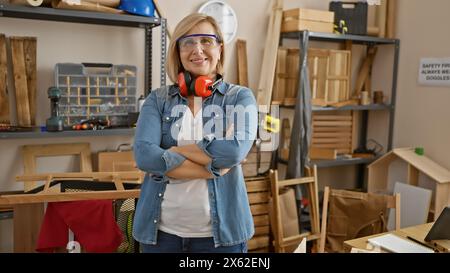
{"points": [[201, 86]]}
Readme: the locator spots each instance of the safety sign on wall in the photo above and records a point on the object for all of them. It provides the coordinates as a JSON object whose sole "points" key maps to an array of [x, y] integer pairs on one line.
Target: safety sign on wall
{"points": [[434, 71]]}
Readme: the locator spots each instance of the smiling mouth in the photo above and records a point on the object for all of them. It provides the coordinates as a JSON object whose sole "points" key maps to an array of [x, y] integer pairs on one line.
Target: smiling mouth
{"points": [[199, 61]]}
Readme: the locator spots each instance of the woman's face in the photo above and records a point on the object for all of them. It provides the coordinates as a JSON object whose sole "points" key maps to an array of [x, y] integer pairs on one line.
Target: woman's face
{"points": [[200, 54]]}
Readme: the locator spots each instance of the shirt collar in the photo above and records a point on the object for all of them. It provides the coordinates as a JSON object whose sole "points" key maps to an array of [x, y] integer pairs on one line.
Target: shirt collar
{"points": [[222, 88]]}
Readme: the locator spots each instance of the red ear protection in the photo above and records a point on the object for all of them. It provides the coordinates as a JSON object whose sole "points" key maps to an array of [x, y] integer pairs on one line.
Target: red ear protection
{"points": [[201, 86]]}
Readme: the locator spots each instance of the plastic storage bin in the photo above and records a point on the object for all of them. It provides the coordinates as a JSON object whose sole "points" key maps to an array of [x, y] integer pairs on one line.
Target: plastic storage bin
{"points": [[354, 15], [104, 91]]}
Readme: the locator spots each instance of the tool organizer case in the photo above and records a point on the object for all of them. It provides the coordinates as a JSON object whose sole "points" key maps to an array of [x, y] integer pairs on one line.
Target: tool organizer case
{"points": [[103, 91], [354, 15]]}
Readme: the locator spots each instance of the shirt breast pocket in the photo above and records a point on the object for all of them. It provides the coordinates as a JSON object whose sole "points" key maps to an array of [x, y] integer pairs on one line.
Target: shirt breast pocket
{"points": [[167, 139]]}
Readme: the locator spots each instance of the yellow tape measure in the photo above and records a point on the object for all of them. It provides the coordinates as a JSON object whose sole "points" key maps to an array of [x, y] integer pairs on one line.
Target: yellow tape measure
{"points": [[271, 124]]}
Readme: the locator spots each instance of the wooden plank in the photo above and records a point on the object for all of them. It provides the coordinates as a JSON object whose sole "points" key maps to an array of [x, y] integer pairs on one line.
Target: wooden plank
{"points": [[413, 175], [31, 152], [281, 76], [100, 176], [256, 186], [355, 129], [344, 146], [292, 70], [381, 18], [441, 199], [20, 82], [263, 230], [261, 220], [252, 157], [332, 117], [106, 160], [258, 242], [331, 140], [332, 134], [258, 178], [67, 196], [425, 165], [309, 14], [27, 222], [4, 97], [315, 26], [241, 46], [332, 123], [364, 70], [259, 209], [29, 50], [317, 153], [260, 250], [285, 139], [264, 91], [260, 197], [332, 129], [249, 169], [390, 24]]}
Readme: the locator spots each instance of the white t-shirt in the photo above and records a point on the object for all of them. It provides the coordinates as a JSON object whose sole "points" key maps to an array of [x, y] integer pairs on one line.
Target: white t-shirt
{"points": [[185, 209]]}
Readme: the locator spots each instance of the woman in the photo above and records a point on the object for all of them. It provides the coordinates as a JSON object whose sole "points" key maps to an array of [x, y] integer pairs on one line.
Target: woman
{"points": [[190, 140]]}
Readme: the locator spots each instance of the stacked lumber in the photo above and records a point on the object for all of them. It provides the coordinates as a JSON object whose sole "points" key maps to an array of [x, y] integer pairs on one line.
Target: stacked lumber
{"points": [[332, 134], [258, 196]]}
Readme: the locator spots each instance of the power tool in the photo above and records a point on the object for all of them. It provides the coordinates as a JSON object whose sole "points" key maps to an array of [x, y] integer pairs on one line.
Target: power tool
{"points": [[55, 123]]}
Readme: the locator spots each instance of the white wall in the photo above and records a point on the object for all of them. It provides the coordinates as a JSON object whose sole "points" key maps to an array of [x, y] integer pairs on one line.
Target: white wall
{"points": [[423, 111]]}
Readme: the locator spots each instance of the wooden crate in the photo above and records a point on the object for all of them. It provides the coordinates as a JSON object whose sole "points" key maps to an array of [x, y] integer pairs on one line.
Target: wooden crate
{"points": [[286, 80], [249, 167], [329, 75], [258, 189], [307, 19], [333, 133]]}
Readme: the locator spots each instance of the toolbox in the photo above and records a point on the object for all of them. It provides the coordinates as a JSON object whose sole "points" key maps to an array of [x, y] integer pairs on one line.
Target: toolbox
{"points": [[354, 15], [103, 91]]}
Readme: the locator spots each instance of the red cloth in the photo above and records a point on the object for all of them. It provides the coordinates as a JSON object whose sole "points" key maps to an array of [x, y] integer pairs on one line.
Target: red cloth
{"points": [[91, 221]]}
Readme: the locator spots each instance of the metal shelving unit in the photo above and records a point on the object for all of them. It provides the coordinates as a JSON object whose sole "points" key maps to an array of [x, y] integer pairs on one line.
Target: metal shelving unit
{"points": [[81, 133], [98, 18], [303, 38]]}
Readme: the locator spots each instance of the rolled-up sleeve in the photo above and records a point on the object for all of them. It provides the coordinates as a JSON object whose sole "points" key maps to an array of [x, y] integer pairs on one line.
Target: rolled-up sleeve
{"points": [[230, 151], [149, 156]]}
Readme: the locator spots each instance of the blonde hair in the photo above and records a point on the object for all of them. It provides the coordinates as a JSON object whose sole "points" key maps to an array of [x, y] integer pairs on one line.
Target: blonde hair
{"points": [[174, 65]]}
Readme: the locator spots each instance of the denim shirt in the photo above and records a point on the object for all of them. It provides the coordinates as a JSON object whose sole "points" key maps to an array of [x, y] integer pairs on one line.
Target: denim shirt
{"points": [[232, 221]]}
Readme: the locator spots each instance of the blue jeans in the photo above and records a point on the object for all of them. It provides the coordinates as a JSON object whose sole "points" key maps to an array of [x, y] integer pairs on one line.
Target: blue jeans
{"points": [[169, 243]]}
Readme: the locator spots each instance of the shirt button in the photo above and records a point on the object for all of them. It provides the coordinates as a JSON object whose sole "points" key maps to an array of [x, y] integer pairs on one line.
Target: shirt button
{"points": [[167, 118], [217, 115], [177, 125], [159, 194], [155, 221]]}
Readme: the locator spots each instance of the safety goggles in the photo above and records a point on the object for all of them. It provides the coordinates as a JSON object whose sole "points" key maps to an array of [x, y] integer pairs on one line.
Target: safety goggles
{"points": [[206, 41]]}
